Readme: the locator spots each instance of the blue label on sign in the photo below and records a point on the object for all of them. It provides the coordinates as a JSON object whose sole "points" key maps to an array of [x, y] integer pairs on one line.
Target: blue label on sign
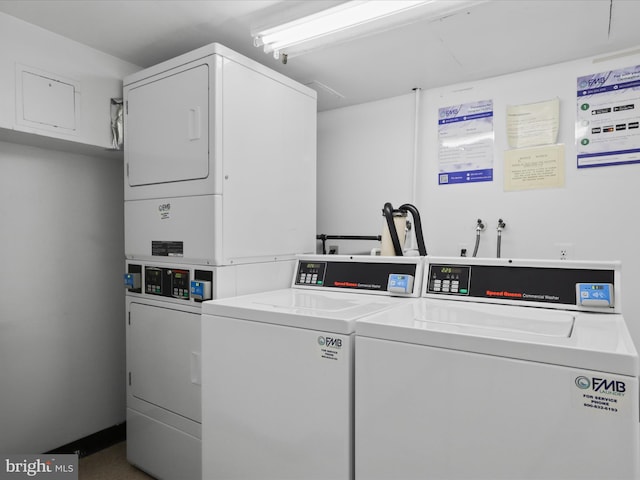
{"points": [[470, 176]]}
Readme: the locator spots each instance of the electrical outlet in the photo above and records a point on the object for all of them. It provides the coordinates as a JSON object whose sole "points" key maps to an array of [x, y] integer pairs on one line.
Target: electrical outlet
{"points": [[463, 250], [333, 249], [564, 251]]}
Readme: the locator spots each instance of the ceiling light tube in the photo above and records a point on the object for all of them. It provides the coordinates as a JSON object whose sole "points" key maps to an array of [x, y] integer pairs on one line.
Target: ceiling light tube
{"points": [[331, 21], [349, 20]]}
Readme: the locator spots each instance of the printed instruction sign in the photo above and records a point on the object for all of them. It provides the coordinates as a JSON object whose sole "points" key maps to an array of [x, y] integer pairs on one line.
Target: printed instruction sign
{"points": [[533, 124], [531, 168], [608, 118], [465, 138]]}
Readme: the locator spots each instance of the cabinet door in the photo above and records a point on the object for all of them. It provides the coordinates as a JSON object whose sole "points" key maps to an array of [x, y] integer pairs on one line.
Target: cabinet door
{"points": [[167, 128]]}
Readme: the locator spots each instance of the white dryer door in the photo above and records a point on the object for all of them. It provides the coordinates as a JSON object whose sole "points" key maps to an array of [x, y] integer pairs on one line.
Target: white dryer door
{"points": [[164, 358], [167, 128]]}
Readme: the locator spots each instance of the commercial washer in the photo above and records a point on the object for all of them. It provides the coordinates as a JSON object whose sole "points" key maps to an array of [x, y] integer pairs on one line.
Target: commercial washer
{"points": [[277, 368], [505, 369]]}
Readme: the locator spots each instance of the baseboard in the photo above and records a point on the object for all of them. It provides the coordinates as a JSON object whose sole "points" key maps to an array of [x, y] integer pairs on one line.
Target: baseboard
{"points": [[95, 442]]}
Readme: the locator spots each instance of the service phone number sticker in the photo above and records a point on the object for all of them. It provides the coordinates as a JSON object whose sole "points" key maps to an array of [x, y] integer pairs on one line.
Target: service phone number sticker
{"points": [[330, 347], [601, 393]]}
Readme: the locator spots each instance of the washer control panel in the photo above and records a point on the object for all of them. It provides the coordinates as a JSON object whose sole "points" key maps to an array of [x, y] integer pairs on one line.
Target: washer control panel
{"points": [[449, 279], [392, 276], [311, 273], [583, 286]]}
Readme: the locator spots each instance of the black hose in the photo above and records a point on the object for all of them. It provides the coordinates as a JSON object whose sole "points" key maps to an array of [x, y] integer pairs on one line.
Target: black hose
{"points": [[324, 237], [501, 225], [407, 207], [387, 211]]}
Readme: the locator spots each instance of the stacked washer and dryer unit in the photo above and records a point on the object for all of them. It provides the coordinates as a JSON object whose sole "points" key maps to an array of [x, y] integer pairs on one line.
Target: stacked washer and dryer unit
{"points": [[219, 198]]}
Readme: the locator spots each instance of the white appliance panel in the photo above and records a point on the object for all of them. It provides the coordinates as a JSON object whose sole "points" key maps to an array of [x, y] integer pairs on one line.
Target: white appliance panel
{"points": [[248, 278], [191, 220], [269, 188], [162, 450], [281, 410], [458, 415], [164, 358], [168, 128]]}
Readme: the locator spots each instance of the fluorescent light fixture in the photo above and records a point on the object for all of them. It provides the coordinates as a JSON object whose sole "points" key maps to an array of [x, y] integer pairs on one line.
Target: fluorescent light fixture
{"points": [[350, 20]]}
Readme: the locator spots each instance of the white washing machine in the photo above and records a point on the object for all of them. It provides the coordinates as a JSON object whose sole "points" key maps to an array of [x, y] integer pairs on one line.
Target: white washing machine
{"points": [[277, 368], [505, 369]]}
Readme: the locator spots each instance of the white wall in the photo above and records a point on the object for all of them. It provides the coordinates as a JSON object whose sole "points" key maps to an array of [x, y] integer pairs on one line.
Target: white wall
{"points": [[62, 338], [62, 330], [99, 77], [594, 211], [365, 159]]}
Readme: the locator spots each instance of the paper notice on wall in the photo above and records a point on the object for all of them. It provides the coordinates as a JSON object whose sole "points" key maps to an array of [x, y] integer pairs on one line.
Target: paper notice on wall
{"points": [[532, 168], [533, 124]]}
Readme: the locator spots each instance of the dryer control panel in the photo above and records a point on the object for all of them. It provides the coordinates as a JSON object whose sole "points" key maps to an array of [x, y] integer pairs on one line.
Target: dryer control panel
{"points": [[170, 282], [167, 282]]}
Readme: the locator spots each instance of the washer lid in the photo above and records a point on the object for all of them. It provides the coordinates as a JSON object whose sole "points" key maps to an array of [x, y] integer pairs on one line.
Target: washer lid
{"points": [[496, 322], [593, 341], [316, 310]]}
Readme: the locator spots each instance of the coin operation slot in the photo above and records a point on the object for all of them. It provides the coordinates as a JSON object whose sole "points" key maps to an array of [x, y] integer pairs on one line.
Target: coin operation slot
{"points": [[595, 295]]}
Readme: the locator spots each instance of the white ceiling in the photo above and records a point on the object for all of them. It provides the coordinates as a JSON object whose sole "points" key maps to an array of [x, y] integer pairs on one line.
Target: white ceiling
{"points": [[493, 38]]}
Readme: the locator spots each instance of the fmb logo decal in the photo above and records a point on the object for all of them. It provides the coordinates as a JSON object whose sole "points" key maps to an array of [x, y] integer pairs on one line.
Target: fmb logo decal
{"points": [[324, 341], [165, 210], [601, 385], [583, 383]]}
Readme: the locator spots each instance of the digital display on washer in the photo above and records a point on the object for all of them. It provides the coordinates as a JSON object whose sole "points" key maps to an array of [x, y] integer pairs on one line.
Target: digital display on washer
{"points": [[449, 279], [311, 273]]}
